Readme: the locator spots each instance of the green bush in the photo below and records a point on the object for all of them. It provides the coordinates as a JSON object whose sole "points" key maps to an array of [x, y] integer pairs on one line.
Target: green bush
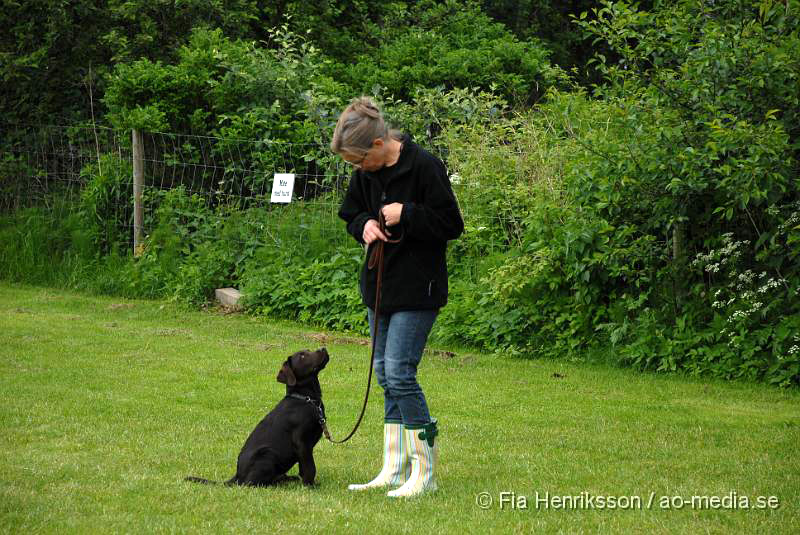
{"points": [[599, 217], [321, 290], [450, 44]]}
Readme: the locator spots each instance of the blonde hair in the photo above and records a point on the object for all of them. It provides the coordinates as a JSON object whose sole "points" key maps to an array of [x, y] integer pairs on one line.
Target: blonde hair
{"points": [[358, 126]]}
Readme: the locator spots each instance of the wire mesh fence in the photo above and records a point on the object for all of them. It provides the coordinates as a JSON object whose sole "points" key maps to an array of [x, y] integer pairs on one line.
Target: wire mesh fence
{"points": [[236, 175], [42, 164], [53, 166]]}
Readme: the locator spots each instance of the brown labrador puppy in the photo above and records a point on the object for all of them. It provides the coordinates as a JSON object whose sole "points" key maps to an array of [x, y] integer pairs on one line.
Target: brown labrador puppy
{"points": [[288, 434]]}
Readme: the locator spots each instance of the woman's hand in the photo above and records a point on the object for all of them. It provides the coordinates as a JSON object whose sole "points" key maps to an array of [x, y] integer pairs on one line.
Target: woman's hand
{"points": [[372, 232], [392, 213]]}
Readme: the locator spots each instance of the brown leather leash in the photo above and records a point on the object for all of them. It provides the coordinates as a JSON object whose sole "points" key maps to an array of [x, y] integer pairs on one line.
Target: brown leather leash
{"points": [[375, 260]]}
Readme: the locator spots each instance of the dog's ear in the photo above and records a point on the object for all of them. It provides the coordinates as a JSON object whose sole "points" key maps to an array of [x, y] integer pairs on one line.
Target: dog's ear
{"points": [[286, 375]]}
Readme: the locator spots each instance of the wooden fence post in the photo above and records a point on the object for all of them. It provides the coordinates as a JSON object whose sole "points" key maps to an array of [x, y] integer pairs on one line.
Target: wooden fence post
{"points": [[138, 183]]}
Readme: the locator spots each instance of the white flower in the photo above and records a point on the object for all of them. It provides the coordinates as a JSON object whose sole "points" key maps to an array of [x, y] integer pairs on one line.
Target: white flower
{"points": [[771, 283], [747, 276], [739, 314]]}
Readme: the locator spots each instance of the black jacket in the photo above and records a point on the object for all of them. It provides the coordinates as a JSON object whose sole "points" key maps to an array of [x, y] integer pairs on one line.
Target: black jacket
{"points": [[415, 269]]}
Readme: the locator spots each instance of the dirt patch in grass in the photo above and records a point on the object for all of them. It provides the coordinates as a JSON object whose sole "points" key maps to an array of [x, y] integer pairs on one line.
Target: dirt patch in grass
{"points": [[324, 339], [172, 332]]}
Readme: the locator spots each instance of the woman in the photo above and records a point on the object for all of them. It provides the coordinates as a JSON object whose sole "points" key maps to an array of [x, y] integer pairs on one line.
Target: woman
{"points": [[393, 176]]}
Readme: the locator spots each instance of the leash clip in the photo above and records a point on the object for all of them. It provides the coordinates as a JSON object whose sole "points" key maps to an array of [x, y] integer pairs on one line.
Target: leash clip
{"points": [[322, 419]]}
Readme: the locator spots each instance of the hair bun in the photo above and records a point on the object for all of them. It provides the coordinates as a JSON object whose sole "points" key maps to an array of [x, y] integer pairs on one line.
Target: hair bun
{"points": [[366, 106], [359, 125]]}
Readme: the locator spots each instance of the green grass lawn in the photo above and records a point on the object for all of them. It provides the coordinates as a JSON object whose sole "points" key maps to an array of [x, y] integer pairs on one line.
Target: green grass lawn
{"points": [[107, 404]]}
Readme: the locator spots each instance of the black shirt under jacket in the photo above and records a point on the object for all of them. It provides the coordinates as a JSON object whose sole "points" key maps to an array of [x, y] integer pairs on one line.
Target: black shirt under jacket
{"points": [[415, 269]]}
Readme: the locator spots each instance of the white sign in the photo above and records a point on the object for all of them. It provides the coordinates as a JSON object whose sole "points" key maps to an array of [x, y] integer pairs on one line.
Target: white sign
{"points": [[282, 186]]}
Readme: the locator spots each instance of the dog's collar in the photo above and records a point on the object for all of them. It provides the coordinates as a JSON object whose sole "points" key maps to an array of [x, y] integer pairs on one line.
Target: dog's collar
{"points": [[318, 405], [308, 399]]}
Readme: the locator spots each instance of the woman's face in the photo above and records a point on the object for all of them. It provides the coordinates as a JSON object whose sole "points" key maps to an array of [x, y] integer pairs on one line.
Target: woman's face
{"points": [[373, 160]]}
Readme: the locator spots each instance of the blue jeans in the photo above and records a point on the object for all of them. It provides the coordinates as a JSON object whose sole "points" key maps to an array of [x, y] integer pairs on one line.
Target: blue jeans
{"points": [[398, 351]]}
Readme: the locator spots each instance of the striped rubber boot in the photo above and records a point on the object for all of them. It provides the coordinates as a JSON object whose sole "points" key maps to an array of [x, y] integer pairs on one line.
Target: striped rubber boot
{"points": [[395, 468], [423, 455]]}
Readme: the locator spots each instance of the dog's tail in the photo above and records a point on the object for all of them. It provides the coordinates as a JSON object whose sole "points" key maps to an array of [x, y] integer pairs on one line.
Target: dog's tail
{"points": [[200, 480]]}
